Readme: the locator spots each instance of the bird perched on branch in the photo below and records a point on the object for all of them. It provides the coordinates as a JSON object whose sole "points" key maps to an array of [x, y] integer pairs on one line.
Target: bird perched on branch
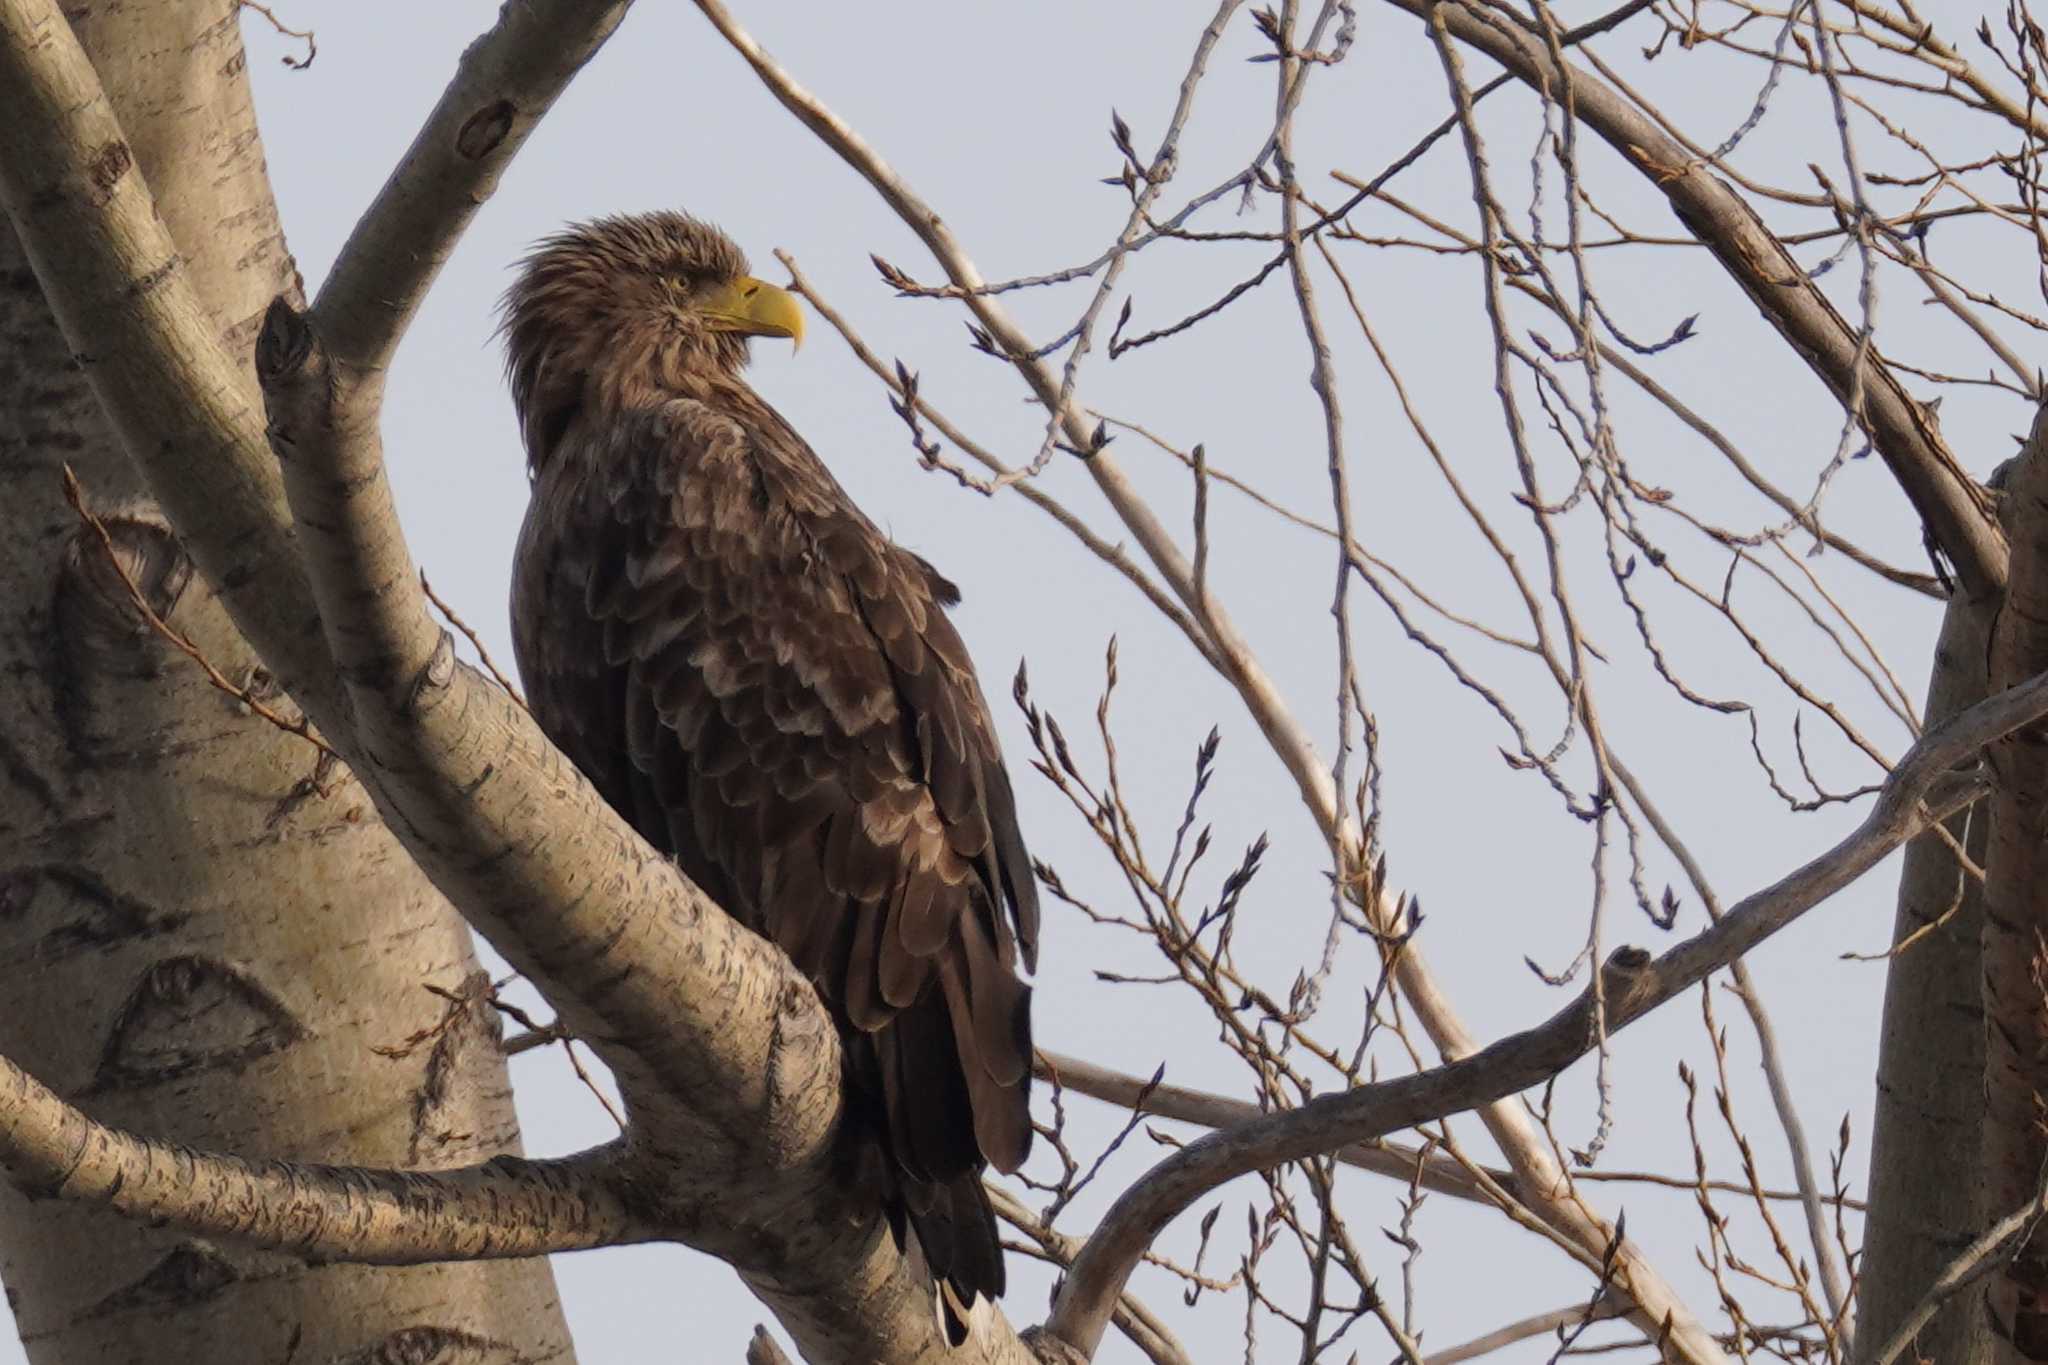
{"points": [[768, 689]]}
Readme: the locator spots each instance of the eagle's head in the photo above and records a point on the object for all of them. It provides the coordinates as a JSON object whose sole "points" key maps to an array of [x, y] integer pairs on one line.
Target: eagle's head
{"points": [[632, 310]]}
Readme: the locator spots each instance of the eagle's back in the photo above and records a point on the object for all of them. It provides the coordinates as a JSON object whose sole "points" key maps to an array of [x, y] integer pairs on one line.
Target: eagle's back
{"points": [[770, 691]]}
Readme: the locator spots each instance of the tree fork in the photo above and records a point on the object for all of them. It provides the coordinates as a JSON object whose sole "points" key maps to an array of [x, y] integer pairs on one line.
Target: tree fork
{"points": [[174, 947]]}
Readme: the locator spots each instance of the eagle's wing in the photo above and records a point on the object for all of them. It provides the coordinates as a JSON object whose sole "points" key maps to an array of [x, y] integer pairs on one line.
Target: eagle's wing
{"points": [[770, 689]]}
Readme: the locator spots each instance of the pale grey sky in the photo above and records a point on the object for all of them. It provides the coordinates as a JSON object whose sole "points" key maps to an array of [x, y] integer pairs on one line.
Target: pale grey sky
{"points": [[998, 114]]}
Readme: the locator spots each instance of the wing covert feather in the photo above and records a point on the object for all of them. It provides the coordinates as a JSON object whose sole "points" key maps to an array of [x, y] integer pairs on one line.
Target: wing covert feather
{"points": [[771, 690]]}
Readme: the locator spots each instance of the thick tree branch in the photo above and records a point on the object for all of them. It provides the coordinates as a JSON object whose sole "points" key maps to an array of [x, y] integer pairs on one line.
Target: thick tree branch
{"points": [[180, 403], [505, 1207], [1433, 1171], [323, 417], [718, 1044], [1953, 505], [1923, 788], [507, 80]]}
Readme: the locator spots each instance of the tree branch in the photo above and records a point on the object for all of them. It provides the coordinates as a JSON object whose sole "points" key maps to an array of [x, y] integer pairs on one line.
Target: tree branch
{"points": [[505, 83], [1432, 1171], [132, 317], [712, 1035], [1953, 505], [1319, 791], [503, 1208], [1532, 1326], [1923, 788], [1138, 1323], [1435, 1172]]}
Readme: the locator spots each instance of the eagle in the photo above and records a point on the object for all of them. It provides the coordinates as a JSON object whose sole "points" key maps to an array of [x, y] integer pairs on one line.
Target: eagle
{"points": [[768, 689]]}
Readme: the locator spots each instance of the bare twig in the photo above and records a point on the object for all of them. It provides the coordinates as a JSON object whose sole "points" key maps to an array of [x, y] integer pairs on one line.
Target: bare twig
{"points": [[305, 35], [1927, 785], [1955, 509], [1535, 1325], [74, 494], [475, 642]]}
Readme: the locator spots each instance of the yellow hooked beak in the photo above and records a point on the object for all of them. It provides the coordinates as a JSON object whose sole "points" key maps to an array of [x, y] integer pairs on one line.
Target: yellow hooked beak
{"points": [[754, 307]]}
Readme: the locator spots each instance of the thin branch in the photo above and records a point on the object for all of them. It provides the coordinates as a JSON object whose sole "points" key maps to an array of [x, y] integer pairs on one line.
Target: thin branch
{"points": [[1926, 786], [1426, 1168], [1770, 1057], [303, 34], [476, 643], [1115, 556], [1556, 1320], [74, 494], [1951, 503]]}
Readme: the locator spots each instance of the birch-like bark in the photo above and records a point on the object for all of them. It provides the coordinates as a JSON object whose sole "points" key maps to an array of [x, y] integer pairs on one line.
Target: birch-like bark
{"points": [[193, 943], [727, 1060]]}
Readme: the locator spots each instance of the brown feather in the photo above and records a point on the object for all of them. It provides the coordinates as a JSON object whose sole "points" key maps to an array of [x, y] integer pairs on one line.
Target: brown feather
{"points": [[769, 689]]}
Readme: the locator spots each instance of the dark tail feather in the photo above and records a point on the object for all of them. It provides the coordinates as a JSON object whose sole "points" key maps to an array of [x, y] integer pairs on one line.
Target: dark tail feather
{"points": [[958, 1237], [942, 1219]]}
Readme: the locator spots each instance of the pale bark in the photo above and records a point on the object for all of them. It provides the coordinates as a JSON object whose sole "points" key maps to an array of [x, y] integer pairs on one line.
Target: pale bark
{"points": [[192, 944], [503, 1208], [1924, 1202], [727, 1060]]}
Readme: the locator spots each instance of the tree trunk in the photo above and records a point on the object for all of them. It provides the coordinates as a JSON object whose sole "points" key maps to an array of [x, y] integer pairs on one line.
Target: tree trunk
{"points": [[1924, 1186], [202, 936], [2016, 920]]}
